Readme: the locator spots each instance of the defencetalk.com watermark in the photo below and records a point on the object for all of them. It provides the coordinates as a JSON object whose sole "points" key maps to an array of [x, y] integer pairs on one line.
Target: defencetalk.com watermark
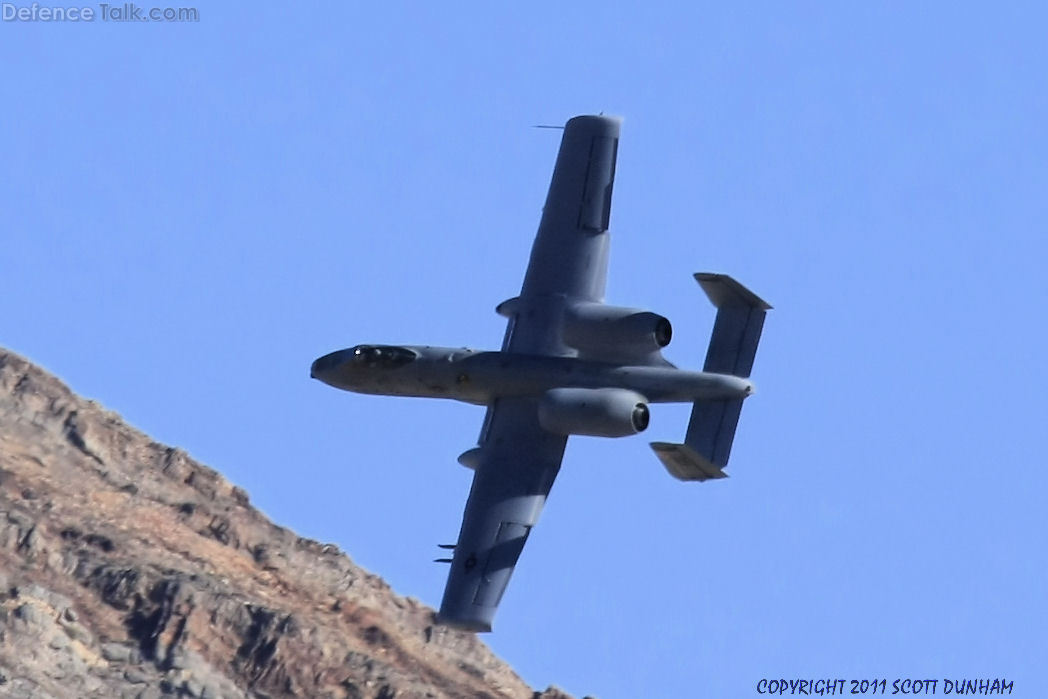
{"points": [[104, 12]]}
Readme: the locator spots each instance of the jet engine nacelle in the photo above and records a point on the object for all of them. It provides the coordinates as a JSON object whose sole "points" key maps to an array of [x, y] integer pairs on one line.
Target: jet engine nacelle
{"points": [[597, 329], [598, 412]]}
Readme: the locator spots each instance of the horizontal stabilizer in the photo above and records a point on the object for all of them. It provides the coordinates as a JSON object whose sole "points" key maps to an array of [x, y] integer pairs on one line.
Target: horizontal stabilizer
{"points": [[737, 329], [733, 345], [712, 429], [685, 464]]}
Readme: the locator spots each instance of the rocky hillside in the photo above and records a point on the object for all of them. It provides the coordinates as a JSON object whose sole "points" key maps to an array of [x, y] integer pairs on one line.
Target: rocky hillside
{"points": [[129, 570]]}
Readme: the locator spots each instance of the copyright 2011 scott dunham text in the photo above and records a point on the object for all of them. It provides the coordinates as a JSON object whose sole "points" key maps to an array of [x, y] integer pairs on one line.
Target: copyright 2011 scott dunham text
{"points": [[831, 687]]}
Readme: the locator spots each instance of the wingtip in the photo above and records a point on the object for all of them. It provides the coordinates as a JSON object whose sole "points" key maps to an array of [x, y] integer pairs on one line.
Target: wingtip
{"points": [[471, 625], [595, 125]]}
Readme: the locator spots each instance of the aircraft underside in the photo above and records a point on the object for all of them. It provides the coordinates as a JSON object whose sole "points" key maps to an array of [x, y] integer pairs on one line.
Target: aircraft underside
{"points": [[569, 365]]}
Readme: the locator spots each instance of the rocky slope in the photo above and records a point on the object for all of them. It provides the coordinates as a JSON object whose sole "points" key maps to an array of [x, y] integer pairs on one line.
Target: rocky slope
{"points": [[129, 570]]}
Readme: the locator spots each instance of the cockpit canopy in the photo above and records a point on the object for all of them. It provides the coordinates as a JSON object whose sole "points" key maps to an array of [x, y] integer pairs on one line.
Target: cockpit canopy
{"points": [[381, 356]]}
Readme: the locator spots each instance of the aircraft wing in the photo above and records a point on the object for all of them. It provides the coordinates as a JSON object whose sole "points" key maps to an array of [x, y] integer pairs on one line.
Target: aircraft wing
{"points": [[569, 259], [514, 468], [517, 460]]}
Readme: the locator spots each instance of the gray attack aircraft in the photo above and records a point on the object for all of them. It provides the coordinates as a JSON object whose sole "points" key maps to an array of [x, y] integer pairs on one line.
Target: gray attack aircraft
{"points": [[569, 365]]}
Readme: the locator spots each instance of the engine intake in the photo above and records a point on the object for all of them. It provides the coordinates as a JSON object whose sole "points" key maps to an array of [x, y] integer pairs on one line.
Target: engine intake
{"points": [[598, 412], [601, 330]]}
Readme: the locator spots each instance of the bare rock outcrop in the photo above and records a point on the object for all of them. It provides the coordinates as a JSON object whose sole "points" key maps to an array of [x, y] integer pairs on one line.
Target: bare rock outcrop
{"points": [[129, 570]]}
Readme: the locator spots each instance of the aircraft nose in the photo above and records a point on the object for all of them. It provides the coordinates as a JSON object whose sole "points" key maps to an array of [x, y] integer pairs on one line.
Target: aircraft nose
{"points": [[324, 364]]}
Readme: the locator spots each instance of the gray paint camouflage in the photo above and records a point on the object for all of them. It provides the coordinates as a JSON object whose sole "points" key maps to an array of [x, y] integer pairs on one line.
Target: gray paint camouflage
{"points": [[568, 365]]}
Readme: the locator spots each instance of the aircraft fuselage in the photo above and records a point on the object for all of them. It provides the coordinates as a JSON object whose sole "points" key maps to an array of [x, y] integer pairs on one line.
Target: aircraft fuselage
{"points": [[479, 377]]}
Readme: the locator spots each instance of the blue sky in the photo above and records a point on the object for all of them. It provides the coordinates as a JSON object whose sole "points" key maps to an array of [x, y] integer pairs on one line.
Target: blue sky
{"points": [[193, 212]]}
